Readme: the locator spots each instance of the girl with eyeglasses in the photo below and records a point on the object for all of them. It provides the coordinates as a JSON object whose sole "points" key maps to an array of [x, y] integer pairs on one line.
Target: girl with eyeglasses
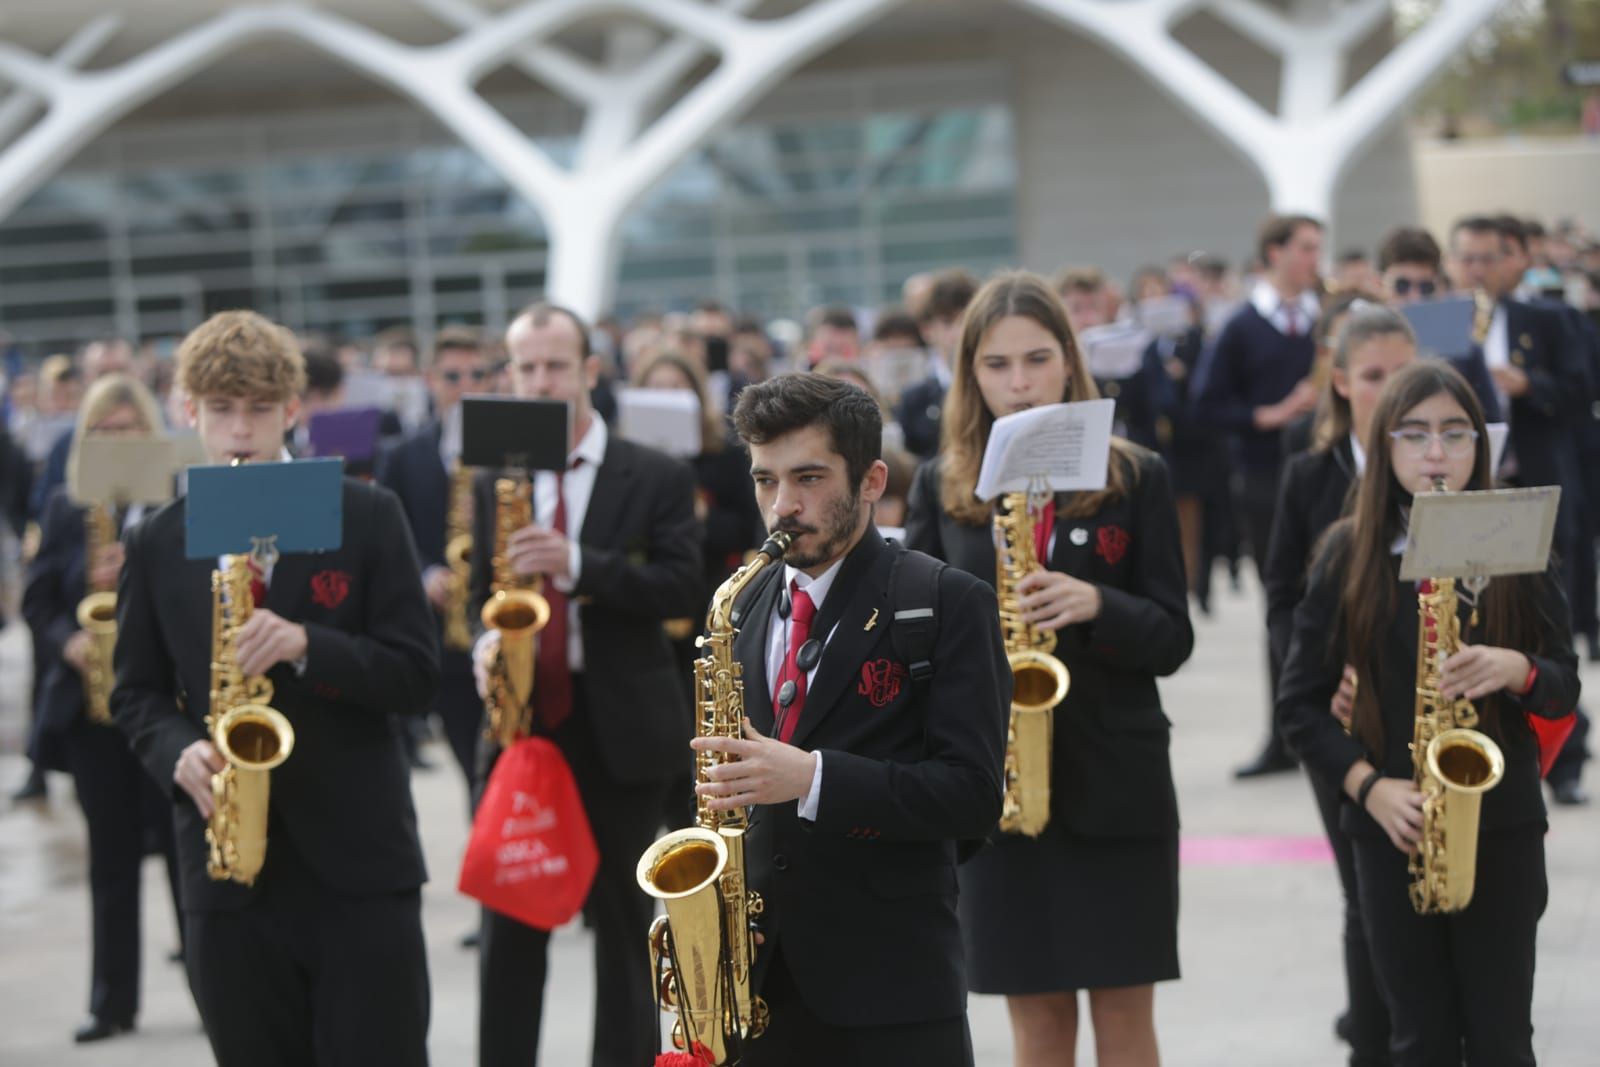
{"points": [[1458, 987], [1369, 345]]}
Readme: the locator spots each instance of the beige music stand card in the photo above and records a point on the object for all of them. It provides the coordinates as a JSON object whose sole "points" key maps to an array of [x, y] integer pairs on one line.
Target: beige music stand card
{"points": [[1480, 535], [124, 470]]}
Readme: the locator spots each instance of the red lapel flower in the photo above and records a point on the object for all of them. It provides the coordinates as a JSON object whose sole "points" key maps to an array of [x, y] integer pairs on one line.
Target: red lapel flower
{"points": [[329, 588], [1111, 544]]}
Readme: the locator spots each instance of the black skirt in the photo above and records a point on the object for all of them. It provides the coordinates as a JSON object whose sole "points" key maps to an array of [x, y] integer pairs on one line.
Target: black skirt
{"points": [[1063, 911]]}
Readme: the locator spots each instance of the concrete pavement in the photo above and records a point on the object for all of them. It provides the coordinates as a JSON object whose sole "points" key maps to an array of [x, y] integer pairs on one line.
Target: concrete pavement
{"points": [[1259, 930]]}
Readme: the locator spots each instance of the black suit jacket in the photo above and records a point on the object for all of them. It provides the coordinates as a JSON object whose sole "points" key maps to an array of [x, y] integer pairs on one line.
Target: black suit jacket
{"points": [[57, 581], [1311, 497], [343, 798], [1111, 775], [413, 471], [641, 564], [862, 902], [1542, 419]]}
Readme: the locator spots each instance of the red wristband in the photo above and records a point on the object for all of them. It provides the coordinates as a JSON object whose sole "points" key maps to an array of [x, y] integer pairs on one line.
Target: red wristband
{"points": [[1527, 683]]}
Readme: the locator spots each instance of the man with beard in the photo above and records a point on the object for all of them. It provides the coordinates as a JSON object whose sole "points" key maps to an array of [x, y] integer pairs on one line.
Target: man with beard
{"points": [[876, 697]]}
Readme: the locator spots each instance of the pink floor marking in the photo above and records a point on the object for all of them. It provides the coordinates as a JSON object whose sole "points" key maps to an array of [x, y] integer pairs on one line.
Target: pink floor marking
{"points": [[1241, 851]]}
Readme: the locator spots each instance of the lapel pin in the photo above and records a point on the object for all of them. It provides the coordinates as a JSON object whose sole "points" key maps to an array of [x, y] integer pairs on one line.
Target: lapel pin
{"points": [[1526, 340], [1517, 358], [871, 622], [1079, 536]]}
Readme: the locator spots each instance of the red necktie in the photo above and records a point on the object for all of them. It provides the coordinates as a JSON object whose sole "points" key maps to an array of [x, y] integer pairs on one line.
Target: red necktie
{"points": [[552, 681], [258, 582], [1294, 321], [1043, 527], [801, 612]]}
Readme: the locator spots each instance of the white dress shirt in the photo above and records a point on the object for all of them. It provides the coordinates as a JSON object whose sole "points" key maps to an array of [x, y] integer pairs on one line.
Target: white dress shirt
{"points": [[778, 632], [1497, 353], [577, 488], [450, 437], [1272, 306]]}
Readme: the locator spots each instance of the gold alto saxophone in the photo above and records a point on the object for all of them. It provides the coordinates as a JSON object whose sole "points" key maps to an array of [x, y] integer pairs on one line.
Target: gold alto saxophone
{"points": [[97, 616], [1453, 764], [458, 557], [1039, 680], [1482, 315], [247, 732], [517, 610], [702, 950]]}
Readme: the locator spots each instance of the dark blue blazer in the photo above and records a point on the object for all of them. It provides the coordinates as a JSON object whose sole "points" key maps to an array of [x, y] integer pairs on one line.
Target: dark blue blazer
{"points": [[56, 582], [413, 471]]}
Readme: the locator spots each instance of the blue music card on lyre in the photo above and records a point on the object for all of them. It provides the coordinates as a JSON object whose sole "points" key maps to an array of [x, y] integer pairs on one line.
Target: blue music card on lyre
{"points": [[298, 506]]}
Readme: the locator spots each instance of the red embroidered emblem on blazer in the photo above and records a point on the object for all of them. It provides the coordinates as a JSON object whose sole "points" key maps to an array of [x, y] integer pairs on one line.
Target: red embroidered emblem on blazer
{"points": [[329, 588], [881, 680], [1112, 544]]}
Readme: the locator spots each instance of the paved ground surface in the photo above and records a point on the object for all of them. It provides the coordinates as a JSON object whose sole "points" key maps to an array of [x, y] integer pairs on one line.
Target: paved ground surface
{"points": [[1259, 930]]}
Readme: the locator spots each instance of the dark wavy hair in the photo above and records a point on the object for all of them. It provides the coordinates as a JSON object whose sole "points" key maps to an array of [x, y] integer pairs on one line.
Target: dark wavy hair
{"points": [[780, 406]]}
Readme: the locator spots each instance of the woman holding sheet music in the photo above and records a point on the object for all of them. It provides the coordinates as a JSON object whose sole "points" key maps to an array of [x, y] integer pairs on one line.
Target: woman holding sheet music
{"points": [[1371, 343], [122, 806], [1457, 986], [1092, 903]]}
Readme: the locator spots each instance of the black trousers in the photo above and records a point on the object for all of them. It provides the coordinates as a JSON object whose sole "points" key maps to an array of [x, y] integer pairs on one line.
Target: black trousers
{"points": [[1258, 500], [306, 975], [513, 958], [127, 816], [1568, 766], [1459, 987], [1367, 1015], [460, 709], [795, 1037]]}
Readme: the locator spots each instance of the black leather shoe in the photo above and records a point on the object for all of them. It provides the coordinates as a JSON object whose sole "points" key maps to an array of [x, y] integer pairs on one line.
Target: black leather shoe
{"points": [[1569, 794], [1272, 760], [1341, 1027], [32, 789], [98, 1029]]}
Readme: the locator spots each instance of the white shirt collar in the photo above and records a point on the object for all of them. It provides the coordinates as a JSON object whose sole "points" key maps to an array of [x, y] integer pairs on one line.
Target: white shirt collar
{"points": [[1269, 303], [1358, 454], [450, 435], [591, 447], [816, 588]]}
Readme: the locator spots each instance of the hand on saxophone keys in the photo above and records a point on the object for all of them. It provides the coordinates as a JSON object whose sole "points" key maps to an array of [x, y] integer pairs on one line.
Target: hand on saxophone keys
{"points": [[77, 651], [1478, 670], [764, 770], [535, 550], [196, 765], [1050, 599], [1395, 804], [267, 639]]}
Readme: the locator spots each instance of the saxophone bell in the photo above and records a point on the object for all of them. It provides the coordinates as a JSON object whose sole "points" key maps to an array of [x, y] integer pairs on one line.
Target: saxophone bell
{"points": [[97, 616]]}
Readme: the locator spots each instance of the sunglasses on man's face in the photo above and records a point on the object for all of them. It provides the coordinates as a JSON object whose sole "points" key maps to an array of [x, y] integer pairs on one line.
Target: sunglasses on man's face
{"points": [[454, 377], [1426, 287]]}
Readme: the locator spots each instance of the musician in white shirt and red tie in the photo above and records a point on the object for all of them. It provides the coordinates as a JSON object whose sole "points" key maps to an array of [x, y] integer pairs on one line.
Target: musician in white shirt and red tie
{"points": [[616, 538]]}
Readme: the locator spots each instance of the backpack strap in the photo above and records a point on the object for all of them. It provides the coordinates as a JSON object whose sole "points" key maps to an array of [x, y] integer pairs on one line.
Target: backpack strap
{"points": [[914, 587]]}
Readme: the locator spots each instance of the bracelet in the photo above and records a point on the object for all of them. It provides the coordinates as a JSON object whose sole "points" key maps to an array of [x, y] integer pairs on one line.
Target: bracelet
{"points": [[1366, 788]]}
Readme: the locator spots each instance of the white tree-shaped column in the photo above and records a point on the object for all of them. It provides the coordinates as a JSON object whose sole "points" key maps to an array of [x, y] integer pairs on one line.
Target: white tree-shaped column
{"points": [[1304, 149], [622, 155]]}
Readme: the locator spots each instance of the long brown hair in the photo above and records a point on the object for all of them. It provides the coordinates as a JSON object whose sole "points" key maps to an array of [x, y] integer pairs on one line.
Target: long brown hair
{"points": [[1364, 320], [967, 419], [1366, 539]]}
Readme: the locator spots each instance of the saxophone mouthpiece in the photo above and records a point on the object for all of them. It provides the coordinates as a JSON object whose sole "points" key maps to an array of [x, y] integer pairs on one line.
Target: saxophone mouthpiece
{"points": [[778, 543]]}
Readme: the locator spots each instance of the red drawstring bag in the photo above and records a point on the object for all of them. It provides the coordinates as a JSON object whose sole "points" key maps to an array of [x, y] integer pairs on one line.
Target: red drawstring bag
{"points": [[1551, 735], [531, 855]]}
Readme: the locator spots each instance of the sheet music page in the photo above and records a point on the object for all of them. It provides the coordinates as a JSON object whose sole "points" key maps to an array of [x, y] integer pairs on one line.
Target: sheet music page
{"points": [[1115, 351], [1167, 316], [667, 419], [1480, 534], [1064, 446]]}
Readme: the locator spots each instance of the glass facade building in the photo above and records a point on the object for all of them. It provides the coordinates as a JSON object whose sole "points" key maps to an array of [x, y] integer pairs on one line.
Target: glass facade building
{"points": [[348, 223]]}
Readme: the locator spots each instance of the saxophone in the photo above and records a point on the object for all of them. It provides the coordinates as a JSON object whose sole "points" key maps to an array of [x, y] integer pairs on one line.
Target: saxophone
{"points": [[247, 732], [1453, 764], [701, 951], [1482, 316], [519, 612], [458, 557], [97, 616], [1039, 680]]}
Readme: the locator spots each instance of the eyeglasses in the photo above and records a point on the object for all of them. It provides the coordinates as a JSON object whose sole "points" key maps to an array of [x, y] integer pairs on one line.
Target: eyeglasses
{"points": [[1454, 442], [1425, 288], [454, 377]]}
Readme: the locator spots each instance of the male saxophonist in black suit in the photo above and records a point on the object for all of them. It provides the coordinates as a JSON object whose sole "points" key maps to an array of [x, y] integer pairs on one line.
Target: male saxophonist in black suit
{"points": [[616, 538], [866, 776], [321, 960]]}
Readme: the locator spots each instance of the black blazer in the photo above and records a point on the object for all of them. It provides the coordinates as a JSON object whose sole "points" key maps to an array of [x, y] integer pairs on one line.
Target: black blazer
{"points": [[1541, 425], [343, 798], [1111, 774], [57, 580], [1316, 661], [413, 471], [1311, 497], [641, 564], [905, 774], [919, 412], [733, 519]]}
